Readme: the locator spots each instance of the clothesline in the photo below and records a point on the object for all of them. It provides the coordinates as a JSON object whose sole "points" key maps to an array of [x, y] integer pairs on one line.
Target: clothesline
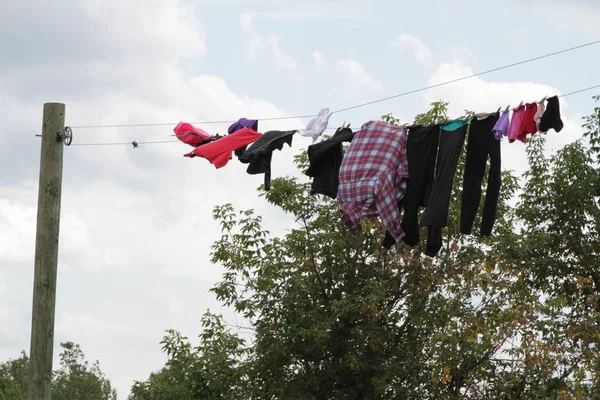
{"points": [[256, 149], [390, 172], [177, 141], [358, 105]]}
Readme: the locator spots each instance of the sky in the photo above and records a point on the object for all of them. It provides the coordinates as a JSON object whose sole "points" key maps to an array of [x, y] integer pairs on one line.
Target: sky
{"points": [[136, 227]]}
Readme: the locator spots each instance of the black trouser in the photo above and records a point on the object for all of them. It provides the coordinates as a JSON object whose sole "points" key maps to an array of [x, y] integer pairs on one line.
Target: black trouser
{"points": [[421, 152], [481, 144], [435, 216]]}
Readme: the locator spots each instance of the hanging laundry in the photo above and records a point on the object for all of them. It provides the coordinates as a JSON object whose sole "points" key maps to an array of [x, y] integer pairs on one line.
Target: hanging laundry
{"points": [[373, 177], [529, 125], [317, 125], [325, 159], [208, 140], [239, 124], [421, 150], [259, 154], [481, 144], [501, 127], [516, 124], [482, 115], [243, 123], [538, 115], [551, 118], [435, 217], [190, 134], [219, 152]]}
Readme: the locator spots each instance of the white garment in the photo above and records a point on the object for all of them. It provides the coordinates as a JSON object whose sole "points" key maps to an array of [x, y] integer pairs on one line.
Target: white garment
{"points": [[538, 115], [317, 125]]}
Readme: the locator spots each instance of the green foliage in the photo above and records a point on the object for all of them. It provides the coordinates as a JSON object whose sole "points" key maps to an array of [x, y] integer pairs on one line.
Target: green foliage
{"points": [[212, 370], [334, 316], [14, 375], [75, 380]]}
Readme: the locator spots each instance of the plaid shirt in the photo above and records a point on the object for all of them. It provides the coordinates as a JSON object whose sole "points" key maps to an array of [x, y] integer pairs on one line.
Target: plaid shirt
{"points": [[373, 177]]}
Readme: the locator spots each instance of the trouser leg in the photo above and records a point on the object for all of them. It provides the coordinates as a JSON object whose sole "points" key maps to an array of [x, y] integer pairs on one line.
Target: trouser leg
{"points": [[421, 152], [482, 144], [436, 211], [493, 188]]}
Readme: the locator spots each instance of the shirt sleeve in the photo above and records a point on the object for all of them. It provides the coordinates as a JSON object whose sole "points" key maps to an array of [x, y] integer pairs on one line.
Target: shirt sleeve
{"points": [[387, 207]]}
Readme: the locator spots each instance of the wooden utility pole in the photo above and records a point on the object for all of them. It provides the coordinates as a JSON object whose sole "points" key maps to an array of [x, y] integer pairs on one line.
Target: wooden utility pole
{"points": [[46, 252]]}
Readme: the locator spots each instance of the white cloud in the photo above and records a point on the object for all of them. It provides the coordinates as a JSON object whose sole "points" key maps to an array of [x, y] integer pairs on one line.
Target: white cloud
{"points": [[301, 11], [419, 49], [2, 284], [581, 15], [107, 32], [131, 219], [255, 44], [247, 22], [282, 60], [76, 324], [17, 231], [357, 79], [318, 58]]}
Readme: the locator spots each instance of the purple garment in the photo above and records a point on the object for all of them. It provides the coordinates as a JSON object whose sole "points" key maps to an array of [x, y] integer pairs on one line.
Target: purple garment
{"points": [[243, 123], [501, 127]]}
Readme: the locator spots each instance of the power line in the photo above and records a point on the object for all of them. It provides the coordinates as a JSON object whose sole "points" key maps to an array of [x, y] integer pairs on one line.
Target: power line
{"points": [[468, 77], [579, 91], [175, 123], [125, 143], [358, 105], [177, 141]]}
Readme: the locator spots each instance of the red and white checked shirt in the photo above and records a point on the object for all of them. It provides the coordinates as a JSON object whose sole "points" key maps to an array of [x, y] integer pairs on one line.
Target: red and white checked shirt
{"points": [[373, 177]]}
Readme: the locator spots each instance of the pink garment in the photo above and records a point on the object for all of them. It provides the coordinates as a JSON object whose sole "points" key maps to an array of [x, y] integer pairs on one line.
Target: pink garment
{"points": [[190, 134], [219, 152], [516, 125]]}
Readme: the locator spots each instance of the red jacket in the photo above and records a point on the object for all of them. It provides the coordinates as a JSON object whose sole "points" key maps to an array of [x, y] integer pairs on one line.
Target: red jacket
{"points": [[220, 151]]}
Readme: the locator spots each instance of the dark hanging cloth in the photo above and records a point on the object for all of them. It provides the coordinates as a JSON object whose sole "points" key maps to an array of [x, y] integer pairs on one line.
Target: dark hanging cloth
{"points": [[551, 118], [435, 217], [325, 159], [421, 149], [208, 140], [481, 144], [259, 154], [239, 124]]}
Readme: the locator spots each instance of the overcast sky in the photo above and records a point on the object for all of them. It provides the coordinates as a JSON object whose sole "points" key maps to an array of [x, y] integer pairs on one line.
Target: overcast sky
{"points": [[136, 225]]}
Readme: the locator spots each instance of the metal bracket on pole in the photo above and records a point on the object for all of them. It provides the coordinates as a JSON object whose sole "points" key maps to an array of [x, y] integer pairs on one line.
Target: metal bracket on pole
{"points": [[66, 136]]}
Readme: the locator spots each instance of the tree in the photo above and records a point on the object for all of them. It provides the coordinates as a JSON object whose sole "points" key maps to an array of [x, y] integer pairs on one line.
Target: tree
{"points": [[211, 370], [13, 378], [334, 316], [557, 251], [75, 380]]}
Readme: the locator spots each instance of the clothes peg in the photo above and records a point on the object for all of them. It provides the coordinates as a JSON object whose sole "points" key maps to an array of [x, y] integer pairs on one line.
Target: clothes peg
{"points": [[507, 108], [521, 103], [135, 144], [544, 99], [499, 109]]}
